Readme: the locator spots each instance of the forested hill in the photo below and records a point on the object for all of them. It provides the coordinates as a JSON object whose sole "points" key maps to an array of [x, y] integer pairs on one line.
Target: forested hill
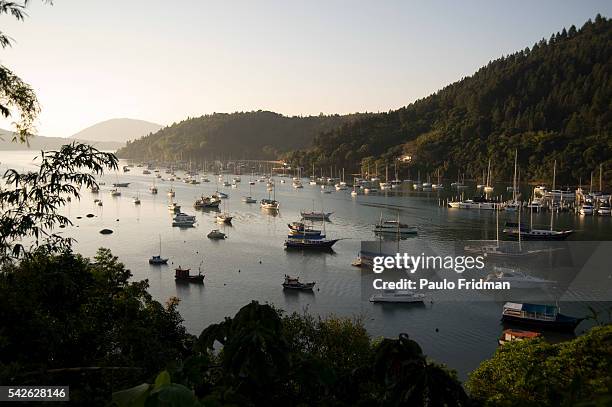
{"points": [[551, 102], [253, 135]]}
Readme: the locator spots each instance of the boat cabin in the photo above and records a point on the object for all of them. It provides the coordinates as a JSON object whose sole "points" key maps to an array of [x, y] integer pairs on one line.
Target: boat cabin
{"points": [[510, 335]]}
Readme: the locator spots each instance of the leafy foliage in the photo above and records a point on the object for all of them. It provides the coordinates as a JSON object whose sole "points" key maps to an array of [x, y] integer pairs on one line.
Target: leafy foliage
{"points": [[267, 358], [537, 373], [552, 102], [252, 135], [66, 319], [30, 201], [15, 94]]}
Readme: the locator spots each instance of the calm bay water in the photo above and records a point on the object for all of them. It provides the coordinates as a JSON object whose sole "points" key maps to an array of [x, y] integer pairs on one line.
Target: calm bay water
{"points": [[250, 264]]}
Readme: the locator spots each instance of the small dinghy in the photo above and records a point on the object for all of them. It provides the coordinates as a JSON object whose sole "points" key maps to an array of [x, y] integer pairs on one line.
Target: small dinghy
{"points": [[293, 283]]}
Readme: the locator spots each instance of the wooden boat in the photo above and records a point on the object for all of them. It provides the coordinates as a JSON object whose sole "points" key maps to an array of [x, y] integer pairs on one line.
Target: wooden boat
{"points": [[181, 274], [511, 335], [293, 283], [310, 244], [207, 202], [514, 230], [544, 316]]}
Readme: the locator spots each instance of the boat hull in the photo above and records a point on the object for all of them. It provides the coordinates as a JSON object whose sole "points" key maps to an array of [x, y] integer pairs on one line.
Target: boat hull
{"points": [[562, 324]]}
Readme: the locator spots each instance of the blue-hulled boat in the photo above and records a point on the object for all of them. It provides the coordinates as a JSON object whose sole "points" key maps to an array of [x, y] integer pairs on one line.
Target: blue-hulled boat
{"points": [[543, 316]]}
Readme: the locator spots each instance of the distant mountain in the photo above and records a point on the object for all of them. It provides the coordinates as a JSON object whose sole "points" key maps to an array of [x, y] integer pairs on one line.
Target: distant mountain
{"points": [[49, 143], [254, 135], [117, 130], [552, 101]]}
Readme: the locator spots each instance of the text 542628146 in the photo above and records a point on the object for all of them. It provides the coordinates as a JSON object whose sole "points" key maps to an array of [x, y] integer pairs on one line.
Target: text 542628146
{"points": [[34, 393]]}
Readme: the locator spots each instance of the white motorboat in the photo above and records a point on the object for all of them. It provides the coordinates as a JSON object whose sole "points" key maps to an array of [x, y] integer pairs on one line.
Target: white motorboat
{"points": [[183, 220], [224, 218], [269, 204], [405, 296], [248, 199], [604, 210], [587, 209]]}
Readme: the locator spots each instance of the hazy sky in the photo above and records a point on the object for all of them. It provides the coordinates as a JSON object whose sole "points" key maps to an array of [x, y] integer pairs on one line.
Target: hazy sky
{"points": [[165, 60]]}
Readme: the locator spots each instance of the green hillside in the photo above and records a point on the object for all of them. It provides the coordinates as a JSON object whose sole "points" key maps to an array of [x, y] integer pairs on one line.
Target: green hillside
{"points": [[551, 102], [253, 135]]}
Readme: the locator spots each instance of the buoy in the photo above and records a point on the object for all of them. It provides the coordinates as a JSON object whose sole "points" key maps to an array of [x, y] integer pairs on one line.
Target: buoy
{"points": [[437, 330], [239, 270], [259, 261]]}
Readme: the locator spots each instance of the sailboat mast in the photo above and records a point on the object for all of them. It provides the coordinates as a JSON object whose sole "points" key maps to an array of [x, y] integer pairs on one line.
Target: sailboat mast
{"points": [[552, 196], [514, 180]]}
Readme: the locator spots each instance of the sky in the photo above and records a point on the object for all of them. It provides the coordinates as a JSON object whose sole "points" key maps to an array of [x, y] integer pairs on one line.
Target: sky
{"points": [[164, 61]]}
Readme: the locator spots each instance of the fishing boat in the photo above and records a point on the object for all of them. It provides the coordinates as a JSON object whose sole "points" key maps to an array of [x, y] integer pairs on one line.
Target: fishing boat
{"points": [[115, 192], [315, 215], [158, 259], [121, 184], [153, 190], [544, 316], [511, 335], [216, 234], [99, 203], [299, 228], [183, 220], [405, 296], [207, 202], [94, 189], [517, 279], [293, 283], [136, 200], [394, 227], [171, 192], [146, 172], [181, 274]]}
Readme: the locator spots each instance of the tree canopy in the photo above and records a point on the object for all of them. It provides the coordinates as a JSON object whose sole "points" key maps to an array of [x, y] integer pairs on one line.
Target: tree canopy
{"points": [[239, 135], [552, 101]]}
